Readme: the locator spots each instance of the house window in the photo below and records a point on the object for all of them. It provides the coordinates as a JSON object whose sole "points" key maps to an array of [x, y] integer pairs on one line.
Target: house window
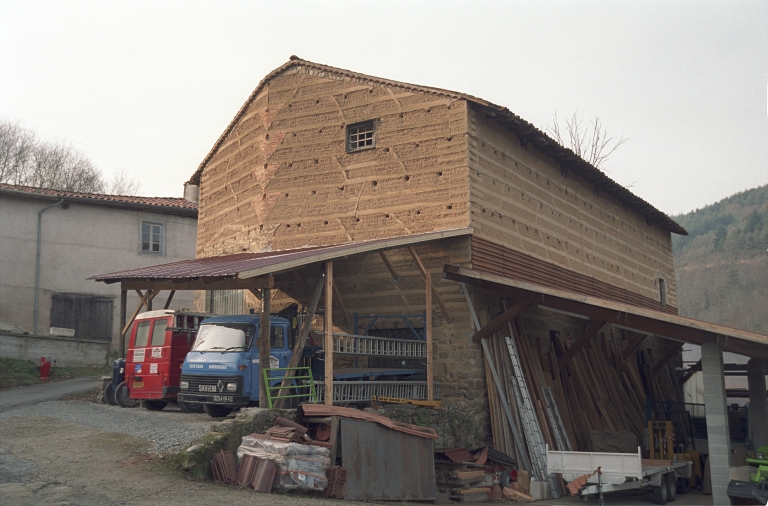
{"points": [[152, 237], [663, 292], [361, 136]]}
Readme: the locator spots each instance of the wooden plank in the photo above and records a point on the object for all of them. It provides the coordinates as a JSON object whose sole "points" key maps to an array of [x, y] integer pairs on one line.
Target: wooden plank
{"points": [[503, 318], [590, 332], [395, 276], [136, 312], [169, 299], [198, 284], [425, 273], [328, 341], [632, 346], [672, 352]]}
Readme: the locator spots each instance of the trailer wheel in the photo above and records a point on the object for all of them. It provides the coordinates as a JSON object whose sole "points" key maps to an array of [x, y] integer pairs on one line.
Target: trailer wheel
{"points": [[154, 405], [109, 394], [660, 493], [215, 411], [122, 397], [190, 407], [671, 482]]}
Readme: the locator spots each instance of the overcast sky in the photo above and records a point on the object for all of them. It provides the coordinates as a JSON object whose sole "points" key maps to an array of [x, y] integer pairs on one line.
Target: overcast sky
{"points": [[148, 87]]}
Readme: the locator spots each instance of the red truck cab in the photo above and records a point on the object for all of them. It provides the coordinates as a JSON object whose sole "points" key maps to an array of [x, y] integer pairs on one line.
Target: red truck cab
{"points": [[157, 345]]}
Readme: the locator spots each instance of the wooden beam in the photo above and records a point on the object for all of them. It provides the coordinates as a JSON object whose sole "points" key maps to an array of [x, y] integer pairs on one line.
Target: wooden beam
{"points": [[169, 299], [503, 318], [673, 351], [256, 293], [632, 346], [301, 337], [591, 331], [198, 284], [123, 316], [428, 331], [151, 295], [264, 346], [425, 273], [691, 371], [328, 341], [395, 276]]}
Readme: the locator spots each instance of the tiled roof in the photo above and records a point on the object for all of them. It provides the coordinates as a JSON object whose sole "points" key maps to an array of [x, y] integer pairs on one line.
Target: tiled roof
{"points": [[564, 156], [160, 203]]}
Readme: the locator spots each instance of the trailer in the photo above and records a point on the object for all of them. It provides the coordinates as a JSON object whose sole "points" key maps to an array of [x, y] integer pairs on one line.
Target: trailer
{"points": [[612, 472]]}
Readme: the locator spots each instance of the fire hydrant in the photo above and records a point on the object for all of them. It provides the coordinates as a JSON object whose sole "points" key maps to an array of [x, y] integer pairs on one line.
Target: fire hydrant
{"points": [[44, 366]]}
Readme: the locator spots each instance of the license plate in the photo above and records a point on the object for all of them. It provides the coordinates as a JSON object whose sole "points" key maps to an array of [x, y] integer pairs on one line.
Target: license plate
{"points": [[223, 398], [138, 384]]}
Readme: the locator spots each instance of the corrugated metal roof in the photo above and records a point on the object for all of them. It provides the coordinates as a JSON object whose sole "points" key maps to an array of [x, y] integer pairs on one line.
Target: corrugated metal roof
{"points": [[246, 265], [624, 315], [564, 156], [159, 203], [321, 410]]}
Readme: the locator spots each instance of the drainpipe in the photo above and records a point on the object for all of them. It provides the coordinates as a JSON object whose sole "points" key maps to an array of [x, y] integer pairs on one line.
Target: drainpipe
{"points": [[37, 265]]}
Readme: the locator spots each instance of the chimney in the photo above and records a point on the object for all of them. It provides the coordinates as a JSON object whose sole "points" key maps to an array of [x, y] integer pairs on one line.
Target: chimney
{"points": [[192, 193]]}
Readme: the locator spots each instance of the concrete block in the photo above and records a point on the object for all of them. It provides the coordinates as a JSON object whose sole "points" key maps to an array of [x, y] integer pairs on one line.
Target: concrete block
{"points": [[540, 490]]}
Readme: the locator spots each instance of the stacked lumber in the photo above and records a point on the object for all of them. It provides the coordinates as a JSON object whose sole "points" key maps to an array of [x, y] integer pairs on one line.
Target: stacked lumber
{"points": [[463, 482], [597, 389]]}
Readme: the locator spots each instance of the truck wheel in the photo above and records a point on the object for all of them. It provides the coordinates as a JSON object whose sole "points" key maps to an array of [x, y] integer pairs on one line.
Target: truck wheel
{"points": [[109, 394], [215, 411], [190, 407], [660, 493], [671, 480], [154, 405], [122, 397]]}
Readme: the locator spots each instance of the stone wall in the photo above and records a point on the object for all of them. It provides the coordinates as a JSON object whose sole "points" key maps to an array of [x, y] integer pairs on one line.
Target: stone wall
{"points": [[65, 352], [521, 199]]}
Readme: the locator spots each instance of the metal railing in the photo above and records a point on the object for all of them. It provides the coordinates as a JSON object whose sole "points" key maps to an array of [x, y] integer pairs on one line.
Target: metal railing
{"points": [[302, 384], [362, 391], [348, 344]]}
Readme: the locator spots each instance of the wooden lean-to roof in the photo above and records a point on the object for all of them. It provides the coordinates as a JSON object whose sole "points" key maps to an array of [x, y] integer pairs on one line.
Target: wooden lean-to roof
{"points": [[517, 125]]}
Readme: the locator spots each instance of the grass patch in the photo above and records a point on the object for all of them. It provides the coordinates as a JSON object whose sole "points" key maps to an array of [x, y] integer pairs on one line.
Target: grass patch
{"points": [[18, 373]]}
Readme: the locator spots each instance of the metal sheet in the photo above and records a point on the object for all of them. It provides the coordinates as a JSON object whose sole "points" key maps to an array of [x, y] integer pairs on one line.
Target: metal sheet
{"points": [[384, 464]]}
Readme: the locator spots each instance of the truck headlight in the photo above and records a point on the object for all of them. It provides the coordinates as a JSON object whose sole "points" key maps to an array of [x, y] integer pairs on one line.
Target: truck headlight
{"points": [[184, 385], [231, 387]]}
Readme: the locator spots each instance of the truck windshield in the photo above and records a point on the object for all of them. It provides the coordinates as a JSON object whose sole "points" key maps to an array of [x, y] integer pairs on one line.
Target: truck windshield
{"points": [[224, 337]]}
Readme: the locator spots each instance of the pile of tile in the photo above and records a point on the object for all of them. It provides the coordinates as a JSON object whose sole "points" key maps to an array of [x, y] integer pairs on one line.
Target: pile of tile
{"points": [[337, 477], [285, 435], [256, 473], [224, 467]]}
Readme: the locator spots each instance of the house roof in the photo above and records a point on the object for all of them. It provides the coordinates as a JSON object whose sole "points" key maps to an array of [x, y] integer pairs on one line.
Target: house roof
{"points": [[165, 205], [564, 156]]}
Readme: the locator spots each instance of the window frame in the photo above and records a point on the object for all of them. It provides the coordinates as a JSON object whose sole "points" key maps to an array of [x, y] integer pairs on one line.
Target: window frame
{"points": [[152, 223], [348, 133]]}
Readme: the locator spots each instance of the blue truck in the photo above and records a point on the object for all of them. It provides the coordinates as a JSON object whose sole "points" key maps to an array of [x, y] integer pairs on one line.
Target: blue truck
{"points": [[222, 371]]}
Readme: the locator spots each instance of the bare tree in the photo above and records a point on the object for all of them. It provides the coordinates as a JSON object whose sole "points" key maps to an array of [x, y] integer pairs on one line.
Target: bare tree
{"points": [[123, 184], [27, 160], [591, 144]]}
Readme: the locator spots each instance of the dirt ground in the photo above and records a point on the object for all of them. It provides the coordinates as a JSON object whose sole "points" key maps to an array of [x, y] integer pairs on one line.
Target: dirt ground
{"points": [[44, 461]]}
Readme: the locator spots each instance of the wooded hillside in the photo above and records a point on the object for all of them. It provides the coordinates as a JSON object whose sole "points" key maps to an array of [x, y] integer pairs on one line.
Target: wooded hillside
{"points": [[722, 266]]}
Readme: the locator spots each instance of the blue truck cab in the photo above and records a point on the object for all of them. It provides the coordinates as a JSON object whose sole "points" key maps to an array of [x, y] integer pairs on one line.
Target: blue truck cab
{"points": [[222, 371]]}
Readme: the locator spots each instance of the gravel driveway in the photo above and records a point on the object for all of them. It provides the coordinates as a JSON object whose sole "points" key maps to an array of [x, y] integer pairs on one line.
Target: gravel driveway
{"points": [[65, 453]]}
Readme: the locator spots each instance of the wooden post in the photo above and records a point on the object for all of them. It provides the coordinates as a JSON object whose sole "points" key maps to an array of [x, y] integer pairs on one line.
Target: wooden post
{"points": [[428, 328], [328, 344], [301, 338], [123, 316], [264, 348]]}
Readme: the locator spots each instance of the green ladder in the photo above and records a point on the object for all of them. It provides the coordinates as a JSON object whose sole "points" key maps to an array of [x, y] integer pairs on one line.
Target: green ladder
{"points": [[274, 384]]}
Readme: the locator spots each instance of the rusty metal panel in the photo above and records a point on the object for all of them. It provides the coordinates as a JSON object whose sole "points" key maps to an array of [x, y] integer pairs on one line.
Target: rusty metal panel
{"points": [[503, 261], [386, 465]]}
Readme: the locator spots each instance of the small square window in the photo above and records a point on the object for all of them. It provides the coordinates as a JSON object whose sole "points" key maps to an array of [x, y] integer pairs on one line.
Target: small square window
{"points": [[152, 238], [361, 136]]}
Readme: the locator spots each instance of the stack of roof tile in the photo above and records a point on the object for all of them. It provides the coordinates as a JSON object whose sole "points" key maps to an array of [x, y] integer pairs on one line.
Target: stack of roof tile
{"points": [[224, 467], [257, 473], [284, 435], [337, 477]]}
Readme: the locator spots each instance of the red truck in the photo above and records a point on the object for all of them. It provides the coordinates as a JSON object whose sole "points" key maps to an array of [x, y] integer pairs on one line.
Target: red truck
{"points": [[157, 345]]}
